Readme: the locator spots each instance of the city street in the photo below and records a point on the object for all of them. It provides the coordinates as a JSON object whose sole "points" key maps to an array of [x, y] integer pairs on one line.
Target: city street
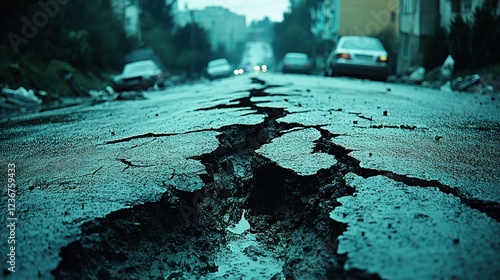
{"points": [[265, 176]]}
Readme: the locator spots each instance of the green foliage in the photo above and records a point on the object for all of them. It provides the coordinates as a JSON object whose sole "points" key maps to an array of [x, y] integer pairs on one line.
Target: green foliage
{"points": [[460, 43], [159, 11], [86, 36], [485, 37], [293, 34], [102, 32], [192, 48], [475, 45], [160, 39], [436, 48], [84, 33]]}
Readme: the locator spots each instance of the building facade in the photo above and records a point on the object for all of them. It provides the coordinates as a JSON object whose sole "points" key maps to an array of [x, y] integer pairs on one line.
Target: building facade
{"points": [[223, 26], [418, 20], [368, 18], [325, 20]]}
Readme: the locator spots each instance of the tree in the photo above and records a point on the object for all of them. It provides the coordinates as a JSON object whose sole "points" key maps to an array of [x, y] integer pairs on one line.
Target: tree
{"points": [[475, 45], [436, 48], [160, 11], [485, 37], [100, 31], [192, 48], [460, 47], [294, 32]]}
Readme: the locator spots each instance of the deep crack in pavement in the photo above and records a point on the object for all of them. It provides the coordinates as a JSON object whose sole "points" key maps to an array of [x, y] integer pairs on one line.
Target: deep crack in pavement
{"points": [[180, 235]]}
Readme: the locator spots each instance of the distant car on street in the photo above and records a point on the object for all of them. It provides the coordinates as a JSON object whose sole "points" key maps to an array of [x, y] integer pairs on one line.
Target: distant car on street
{"points": [[139, 75], [257, 57], [294, 62], [358, 56], [219, 68]]}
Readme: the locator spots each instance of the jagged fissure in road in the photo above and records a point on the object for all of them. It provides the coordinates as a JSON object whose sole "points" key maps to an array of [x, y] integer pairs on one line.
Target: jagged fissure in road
{"points": [[326, 145], [180, 235]]}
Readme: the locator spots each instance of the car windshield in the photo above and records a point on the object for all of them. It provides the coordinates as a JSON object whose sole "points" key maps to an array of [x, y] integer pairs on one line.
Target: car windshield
{"points": [[219, 62], [362, 44], [138, 68], [296, 58]]}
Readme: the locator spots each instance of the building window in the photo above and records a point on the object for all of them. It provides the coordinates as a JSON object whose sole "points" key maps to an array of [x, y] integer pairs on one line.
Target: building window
{"points": [[409, 6], [393, 16]]}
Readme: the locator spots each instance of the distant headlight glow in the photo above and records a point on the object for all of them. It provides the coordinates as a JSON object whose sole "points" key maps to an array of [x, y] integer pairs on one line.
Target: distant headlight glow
{"points": [[256, 68]]}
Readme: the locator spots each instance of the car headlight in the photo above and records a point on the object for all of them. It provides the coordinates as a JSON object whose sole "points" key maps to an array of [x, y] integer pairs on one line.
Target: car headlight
{"points": [[382, 58], [256, 68]]}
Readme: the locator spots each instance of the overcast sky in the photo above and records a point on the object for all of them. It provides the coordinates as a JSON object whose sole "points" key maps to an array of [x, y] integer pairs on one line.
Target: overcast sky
{"points": [[252, 9]]}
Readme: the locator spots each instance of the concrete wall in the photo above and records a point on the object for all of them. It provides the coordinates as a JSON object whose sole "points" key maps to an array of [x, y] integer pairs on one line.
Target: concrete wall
{"points": [[368, 17]]}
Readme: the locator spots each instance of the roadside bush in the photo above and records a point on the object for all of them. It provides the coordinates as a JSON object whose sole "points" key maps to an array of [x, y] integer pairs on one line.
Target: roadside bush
{"points": [[192, 48], [460, 43], [160, 40], [436, 48], [475, 45], [485, 37]]}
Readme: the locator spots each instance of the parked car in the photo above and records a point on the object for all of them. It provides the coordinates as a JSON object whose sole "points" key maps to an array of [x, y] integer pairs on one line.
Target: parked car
{"points": [[139, 75], [294, 62], [358, 56], [219, 68]]}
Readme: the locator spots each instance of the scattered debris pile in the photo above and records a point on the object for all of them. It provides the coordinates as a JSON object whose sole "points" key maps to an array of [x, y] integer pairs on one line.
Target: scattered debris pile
{"points": [[20, 99]]}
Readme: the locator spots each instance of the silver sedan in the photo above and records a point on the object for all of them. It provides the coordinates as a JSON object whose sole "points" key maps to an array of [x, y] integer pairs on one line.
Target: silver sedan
{"points": [[358, 56]]}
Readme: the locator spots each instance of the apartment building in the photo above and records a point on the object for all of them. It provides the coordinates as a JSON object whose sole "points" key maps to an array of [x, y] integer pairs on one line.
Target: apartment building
{"points": [[223, 26], [419, 19]]}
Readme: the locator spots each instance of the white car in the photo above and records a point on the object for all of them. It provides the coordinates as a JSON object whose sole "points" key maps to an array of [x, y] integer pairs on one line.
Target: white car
{"points": [[358, 56], [219, 68], [140, 75]]}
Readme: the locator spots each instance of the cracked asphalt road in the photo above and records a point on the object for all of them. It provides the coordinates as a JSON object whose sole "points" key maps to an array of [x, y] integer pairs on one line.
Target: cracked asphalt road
{"points": [[339, 178]]}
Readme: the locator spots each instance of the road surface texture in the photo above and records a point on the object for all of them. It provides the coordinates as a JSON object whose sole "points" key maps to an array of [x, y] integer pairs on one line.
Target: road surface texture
{"points": [[258, 177]]}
